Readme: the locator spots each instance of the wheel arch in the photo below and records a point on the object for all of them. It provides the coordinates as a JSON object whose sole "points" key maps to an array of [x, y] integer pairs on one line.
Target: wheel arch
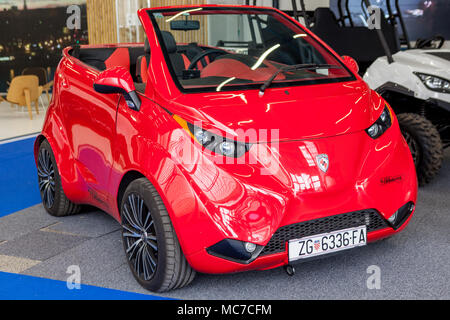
{"points": [[37, 144], [127, 179], [401, 99], [72, 182]]}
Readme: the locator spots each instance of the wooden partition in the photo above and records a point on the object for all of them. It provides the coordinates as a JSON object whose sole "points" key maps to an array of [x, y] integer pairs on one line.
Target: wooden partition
{"points": [[103, 22], [101, 16]]}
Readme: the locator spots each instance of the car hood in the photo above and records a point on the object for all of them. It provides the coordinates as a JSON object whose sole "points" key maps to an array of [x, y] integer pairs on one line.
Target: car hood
{"points": [[296, 113]]}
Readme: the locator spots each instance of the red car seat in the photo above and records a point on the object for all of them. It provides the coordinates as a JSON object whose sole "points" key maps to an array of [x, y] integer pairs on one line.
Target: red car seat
{"points": [[142, 64]]}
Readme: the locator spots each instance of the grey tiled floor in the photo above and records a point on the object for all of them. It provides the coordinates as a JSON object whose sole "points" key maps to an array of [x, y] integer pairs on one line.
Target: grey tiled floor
{"points": [[414, 264]]}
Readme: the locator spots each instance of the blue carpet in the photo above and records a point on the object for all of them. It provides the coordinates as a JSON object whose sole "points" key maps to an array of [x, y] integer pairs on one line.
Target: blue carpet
{"points": [[20, 287], [19, 190], [18, 177]]}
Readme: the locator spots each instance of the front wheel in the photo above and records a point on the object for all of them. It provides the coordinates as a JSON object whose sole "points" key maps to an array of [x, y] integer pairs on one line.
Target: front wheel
{"points": [[425, 144], [151, 246]]}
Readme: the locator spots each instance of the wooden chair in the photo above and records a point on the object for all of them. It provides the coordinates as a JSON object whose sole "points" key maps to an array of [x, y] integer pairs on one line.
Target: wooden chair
{"points": [[23, 91], [41, 73]]}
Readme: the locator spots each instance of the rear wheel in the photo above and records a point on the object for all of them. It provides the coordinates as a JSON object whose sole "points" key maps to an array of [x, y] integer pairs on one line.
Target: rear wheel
{"points": [[151, 246], [53, 197], [425, 144]]}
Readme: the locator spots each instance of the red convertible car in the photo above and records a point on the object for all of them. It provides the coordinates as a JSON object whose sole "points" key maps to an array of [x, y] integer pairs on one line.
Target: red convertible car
{"points": [[234, 139]]}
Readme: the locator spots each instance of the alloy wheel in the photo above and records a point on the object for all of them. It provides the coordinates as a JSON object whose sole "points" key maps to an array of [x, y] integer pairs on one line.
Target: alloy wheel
{"points": [[46, 175], [139, 236]]}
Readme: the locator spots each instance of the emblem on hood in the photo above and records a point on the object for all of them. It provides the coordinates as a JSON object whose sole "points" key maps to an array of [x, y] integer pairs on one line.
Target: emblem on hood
{"points": [[323, 162]]}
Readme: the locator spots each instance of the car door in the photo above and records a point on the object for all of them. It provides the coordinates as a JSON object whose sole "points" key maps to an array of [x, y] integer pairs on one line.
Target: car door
{"points": [[90, 122]]}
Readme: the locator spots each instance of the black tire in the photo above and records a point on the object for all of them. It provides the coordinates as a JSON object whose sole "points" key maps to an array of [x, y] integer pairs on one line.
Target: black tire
{"points": [[145, 226], [52, 194], [425, 144]]}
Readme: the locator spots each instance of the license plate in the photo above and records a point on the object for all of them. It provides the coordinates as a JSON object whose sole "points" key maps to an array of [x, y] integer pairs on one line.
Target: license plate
{"points": [[327, 243]]}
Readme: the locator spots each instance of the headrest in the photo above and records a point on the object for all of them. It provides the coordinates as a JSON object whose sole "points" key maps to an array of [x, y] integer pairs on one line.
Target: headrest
{"points": [[274, 22], [324, 16], [169, 41], [277, 31], [146, 46]]}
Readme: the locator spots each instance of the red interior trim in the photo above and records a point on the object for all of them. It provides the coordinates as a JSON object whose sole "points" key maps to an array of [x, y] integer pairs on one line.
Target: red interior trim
{"points": [[144, 70], [120, 57]]}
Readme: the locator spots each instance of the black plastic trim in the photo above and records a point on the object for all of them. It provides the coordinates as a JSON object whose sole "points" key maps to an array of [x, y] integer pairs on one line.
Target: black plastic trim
{"points": [[442, 104], [394, 87], [133, 100], [234, 250], [370, 217], [100, 88], [403, 215]]}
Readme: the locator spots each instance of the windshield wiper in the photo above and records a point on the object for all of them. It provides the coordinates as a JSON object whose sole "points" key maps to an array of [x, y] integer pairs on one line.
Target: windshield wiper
{"points": [[296, 67]]}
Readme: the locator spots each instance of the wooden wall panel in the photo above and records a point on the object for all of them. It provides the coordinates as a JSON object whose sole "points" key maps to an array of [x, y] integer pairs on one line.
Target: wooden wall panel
{"points": [[102, 21], [101, 16]]}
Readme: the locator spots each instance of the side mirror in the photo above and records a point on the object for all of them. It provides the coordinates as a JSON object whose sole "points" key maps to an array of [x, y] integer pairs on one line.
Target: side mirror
{"points": [[351, 63], [118, 80]]}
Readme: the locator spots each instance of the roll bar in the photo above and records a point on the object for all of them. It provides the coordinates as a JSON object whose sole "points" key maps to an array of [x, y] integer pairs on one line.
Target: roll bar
{"points": [[297, 14], [342, 16], [393, 20]]}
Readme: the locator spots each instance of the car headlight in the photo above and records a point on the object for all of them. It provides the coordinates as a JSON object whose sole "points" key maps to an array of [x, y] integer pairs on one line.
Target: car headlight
{"points": [[434, 83], [214, 142], [381, 125]]}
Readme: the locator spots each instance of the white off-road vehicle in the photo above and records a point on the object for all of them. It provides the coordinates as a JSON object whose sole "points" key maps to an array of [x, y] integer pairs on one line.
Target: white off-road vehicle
{"points": [[416, 85], [415, 82]]}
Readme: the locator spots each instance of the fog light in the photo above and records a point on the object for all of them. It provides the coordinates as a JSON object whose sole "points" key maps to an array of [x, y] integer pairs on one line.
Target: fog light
{"points": [[235, 250], [250, 247], [393, 218], [402, 214]]}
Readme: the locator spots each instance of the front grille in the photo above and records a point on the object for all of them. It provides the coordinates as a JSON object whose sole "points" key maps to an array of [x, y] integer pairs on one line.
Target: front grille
{"points": [[370, 218]]}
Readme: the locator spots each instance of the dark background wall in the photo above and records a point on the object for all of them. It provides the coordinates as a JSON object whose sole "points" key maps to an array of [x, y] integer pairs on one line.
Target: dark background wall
{"points": [[34, 36], [423, 18]]}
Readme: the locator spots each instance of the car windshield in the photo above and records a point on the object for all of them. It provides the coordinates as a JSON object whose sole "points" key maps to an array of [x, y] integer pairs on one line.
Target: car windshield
{"points": [[223, 49]]}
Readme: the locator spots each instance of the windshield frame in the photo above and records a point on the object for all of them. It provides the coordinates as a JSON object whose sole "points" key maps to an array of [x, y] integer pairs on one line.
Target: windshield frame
{"points": [[243, 87]]}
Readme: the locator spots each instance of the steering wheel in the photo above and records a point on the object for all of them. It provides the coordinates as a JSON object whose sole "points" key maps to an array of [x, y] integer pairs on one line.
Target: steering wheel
{"points": [[426, 43], [206, 53]]}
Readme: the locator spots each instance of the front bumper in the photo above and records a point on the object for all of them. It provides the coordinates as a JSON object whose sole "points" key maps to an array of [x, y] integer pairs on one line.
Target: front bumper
{"points": [[275, 253]]}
